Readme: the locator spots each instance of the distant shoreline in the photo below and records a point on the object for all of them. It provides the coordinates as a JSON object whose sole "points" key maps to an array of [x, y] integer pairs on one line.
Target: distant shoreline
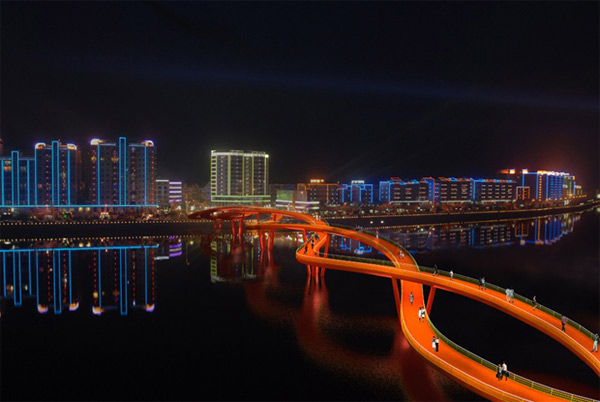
{"points": [[456, 217], [66, 229]]}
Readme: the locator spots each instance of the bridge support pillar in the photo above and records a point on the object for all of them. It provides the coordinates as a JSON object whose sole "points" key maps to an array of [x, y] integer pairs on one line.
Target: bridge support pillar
{"points": [[241, 229], [430, 299], [397, 299], [271, 236], [233, 229]]}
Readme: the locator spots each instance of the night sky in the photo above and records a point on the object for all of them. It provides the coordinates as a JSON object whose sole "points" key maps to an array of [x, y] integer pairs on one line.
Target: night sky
{"points": [[334, 90]]}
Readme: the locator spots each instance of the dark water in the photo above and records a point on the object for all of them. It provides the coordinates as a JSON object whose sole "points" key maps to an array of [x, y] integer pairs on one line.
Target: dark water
{"points": [[200, 317]]}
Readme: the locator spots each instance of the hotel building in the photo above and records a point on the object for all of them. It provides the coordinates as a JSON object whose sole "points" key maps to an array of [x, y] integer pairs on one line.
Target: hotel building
{"points": [[121, 174], [239, 177], [57, 169]]}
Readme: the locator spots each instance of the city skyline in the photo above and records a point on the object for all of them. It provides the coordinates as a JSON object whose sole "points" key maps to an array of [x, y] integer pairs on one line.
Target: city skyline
{"points": [[337, 91]]}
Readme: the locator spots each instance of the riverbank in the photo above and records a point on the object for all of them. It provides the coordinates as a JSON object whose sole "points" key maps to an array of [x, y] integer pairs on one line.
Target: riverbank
{"points": [[66, 229], [387, 221]]}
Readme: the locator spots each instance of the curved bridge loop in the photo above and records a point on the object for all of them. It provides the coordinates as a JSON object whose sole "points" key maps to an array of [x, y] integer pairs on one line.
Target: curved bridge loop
{"points": [[466, 368]]}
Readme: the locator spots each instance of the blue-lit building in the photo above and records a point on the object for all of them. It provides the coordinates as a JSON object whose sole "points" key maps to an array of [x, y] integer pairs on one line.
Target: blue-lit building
{"points": [[357, 192], [119, 174], [397, 191], [17, 180], [57, 171], [543, 185], [494, 190]]}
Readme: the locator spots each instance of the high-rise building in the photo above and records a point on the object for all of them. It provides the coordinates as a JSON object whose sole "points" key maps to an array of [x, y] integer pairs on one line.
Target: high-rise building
{"points": [[324, 193], [239, 177], [57, 173], [17, 180], [121, 174]]}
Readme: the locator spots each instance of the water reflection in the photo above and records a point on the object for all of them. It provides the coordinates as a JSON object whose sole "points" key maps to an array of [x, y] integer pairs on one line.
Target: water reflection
{"points": [[102, 275], [425, 239]]}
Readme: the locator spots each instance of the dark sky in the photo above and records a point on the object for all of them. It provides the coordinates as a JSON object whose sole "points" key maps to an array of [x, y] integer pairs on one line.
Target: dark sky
{"points": [[334, 90]]}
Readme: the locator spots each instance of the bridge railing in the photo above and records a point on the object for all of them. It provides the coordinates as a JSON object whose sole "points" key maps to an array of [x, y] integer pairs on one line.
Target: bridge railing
{"points": [[515, 377], [496, 288]]}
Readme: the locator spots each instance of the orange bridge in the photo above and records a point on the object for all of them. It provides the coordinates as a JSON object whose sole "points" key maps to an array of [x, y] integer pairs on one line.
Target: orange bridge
{"points": [[468, 369]]}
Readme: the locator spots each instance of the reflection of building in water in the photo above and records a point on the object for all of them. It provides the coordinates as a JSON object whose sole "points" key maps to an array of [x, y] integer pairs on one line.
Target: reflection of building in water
{"points": [[232, 260], [418, 239], [171, 248], [545, 230], [351, 245], [123, 276]]}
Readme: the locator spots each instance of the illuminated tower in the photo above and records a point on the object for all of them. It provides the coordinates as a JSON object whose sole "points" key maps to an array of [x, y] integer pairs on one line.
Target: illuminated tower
{"points": [[121, 174], [238, 177], [57, 168], [17, 180]]}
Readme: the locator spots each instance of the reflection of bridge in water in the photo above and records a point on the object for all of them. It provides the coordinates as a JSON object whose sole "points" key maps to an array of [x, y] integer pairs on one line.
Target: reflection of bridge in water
{"points": [[468, 369]]}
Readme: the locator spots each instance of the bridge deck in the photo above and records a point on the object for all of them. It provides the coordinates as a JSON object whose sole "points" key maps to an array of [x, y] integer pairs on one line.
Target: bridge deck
{"points": [[462, 368]]}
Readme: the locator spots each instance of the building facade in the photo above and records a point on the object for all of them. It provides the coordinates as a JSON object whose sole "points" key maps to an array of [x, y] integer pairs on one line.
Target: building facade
{"points": [[17, 180], [57, 168], [121, 174], [239, 177], [397, 191], [324, 193], [494, 190], [357, 192]]}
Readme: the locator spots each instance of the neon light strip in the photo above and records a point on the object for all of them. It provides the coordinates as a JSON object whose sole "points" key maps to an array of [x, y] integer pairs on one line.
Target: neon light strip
{"points": [[16, 179], [83, 206], [145, 174], [99, 279], [29, 267], [146, 276], [82, 248], [35, 190], [68, 176], [2, 178], [37, 280], [4, 274], [70, 281], [98, 175], [20, 286]]}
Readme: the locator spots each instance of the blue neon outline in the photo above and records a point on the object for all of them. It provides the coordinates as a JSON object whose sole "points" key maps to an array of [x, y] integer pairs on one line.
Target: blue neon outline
{"points": [[4, 274], [15, 177], [82, 206], [70, 281], [58, 286], [146, 276], [69, 175], [145, 175], [37, 280], [35, 175], [98, 174], [29, 265], [20, 287], [99, 279], [2, 179]]}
